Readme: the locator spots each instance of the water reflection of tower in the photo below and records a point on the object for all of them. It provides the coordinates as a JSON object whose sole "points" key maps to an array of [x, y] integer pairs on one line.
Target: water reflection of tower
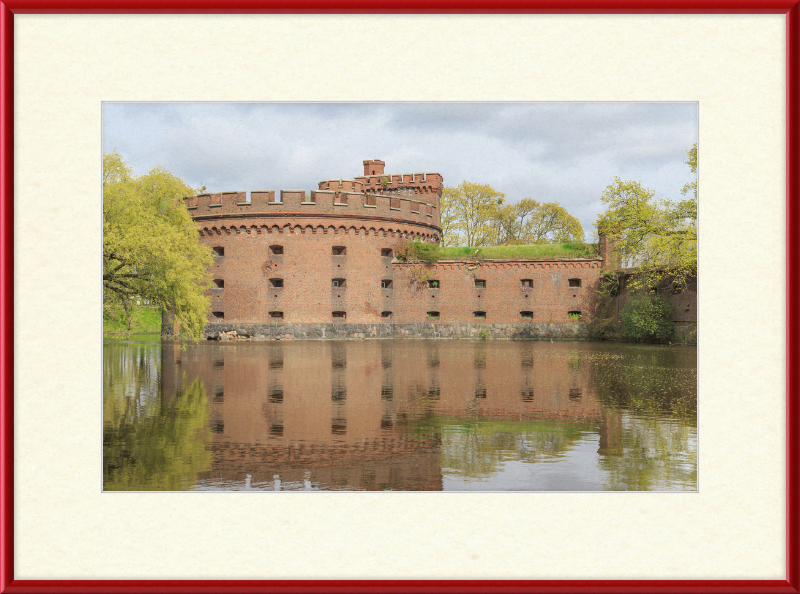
{"points": [[432, 364], [526, 373], [479, 363], [275, 391], [387, 388], [611, 433], [218, 392], [574, 362], [338, 390]]}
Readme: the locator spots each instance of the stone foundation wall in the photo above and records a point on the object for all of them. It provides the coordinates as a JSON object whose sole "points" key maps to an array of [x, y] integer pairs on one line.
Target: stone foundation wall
{"points": [[573, 331]]}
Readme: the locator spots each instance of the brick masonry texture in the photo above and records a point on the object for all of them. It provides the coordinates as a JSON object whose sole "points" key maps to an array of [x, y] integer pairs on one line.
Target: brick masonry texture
{"points": [[294, 258]]}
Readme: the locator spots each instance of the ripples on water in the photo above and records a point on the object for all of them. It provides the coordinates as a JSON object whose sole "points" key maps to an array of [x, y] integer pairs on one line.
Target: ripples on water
{"points": [[399, 415]]}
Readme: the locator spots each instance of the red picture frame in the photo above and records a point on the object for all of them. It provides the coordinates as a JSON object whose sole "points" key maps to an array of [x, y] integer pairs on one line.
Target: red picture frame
{"points": [[790, 8]]}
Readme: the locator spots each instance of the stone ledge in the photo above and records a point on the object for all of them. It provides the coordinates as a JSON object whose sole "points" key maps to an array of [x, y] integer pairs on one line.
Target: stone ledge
{"points": [[422, 330]]}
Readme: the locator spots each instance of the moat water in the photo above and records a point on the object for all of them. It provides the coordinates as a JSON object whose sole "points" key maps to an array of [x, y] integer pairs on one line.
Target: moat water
{"points": [[398, 415]]}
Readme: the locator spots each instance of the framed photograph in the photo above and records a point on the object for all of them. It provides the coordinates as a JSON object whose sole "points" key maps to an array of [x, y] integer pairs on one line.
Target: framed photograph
{"points": [[66, 65]]}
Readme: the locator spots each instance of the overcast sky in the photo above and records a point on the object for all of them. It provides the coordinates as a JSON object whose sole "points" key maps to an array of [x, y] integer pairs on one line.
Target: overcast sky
{"points": [[552, 152]]}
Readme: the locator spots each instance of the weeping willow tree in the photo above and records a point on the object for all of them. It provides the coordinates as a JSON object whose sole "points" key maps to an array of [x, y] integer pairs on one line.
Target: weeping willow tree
{"points": [[151, 251]]}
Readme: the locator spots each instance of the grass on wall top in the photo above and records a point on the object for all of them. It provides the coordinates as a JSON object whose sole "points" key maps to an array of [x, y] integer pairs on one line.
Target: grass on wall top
{"points": [[415, 251]]}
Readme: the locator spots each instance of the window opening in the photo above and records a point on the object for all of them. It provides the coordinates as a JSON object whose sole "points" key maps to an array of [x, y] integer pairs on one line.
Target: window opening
{"points": [[479, 314], [480, 284], [433, 284], [339, 314], [386, 314], [574, 282], [220, 284], [433, 315], [338, 283], [276, 282], [339, 251], [386, 252], [276, 249], [218, 314], [386, 284], [574, 315], [526, 314], [276, 314], [219, 251], [527, 283]]}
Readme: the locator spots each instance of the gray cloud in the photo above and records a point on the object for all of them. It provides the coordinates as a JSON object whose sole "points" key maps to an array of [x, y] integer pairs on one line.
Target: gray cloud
{"points": [[563, 152]]}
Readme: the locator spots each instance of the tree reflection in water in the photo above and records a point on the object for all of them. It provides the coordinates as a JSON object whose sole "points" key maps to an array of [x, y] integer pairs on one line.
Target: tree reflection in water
{"points": [[151, 442], [474, 449], [648, 438]]}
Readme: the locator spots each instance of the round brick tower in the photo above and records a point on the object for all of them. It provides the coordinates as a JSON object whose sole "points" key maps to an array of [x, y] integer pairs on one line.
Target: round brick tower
{"points": [[317, 257]]}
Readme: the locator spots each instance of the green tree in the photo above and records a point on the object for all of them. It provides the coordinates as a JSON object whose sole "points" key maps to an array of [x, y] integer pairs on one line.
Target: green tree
{"points": [[447, 221], [531, 222], [658, 236], [472, 210], [150, 245]]}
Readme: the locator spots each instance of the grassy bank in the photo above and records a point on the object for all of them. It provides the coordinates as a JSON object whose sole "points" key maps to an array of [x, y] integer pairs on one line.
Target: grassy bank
{"points": [[426, 252], [144, 320]]}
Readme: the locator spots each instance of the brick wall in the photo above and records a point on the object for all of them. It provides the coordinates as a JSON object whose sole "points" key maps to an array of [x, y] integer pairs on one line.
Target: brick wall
{"points": [[496, 288], [256, 284], [299, 282]]}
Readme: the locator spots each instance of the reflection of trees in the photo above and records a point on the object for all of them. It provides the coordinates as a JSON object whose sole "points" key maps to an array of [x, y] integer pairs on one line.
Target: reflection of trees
{"points": [[658, 454], [657, 382], [476, 449], [649, 431], [148, 444]]}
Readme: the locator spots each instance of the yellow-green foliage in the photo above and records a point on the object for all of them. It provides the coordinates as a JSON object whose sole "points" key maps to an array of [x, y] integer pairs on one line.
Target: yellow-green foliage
{"points": [[474, 214], [150, 244], [468, 213], [657, 236]]}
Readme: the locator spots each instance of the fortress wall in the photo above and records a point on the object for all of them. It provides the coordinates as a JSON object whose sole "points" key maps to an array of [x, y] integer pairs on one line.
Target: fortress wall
{"points": [[309, 225], [307, 268], [266, 203], [550, 299]]}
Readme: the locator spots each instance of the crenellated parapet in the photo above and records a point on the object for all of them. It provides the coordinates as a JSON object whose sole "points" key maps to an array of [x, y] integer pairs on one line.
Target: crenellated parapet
{"points": [[364, 206], [424, 187]]}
